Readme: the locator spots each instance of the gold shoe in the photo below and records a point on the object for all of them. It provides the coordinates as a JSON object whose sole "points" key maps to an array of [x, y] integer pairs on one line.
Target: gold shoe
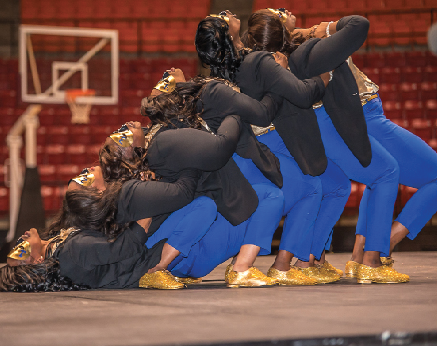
{"points": [[387, 261], [161, 279], [380, 275], [330, 268], [351, 269], [322, 276], [250, 278], [188, 280], [228, 270], [290, 277]]}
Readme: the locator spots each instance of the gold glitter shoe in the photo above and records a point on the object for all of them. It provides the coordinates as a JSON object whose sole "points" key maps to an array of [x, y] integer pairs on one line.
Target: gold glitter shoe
{"points": [[387, 261], [322, 276], [161, 279], [380, 275], [351, 269], [291, 277], [330, 268], [228, 270], [250, 278], [188, 281]]}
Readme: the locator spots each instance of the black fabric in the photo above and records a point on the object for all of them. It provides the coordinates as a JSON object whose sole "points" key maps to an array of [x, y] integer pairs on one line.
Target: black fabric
{"points": [[235, 198], [259, 74], [219, 100], [88, 258], [341, 99], [295, 121]]}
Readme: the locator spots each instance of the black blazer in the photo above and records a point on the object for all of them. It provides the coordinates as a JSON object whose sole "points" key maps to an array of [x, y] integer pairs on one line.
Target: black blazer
{"points": [[341, 99]]}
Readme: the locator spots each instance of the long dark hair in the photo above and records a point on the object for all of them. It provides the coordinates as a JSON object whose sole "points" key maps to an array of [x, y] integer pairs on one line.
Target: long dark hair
{"points": [[119, 168], [89, 209], [181, 105], [41, 277], [266, 32], [215, 48]]}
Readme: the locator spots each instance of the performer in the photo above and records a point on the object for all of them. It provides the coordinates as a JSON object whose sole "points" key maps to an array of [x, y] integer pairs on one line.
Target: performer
{"points": [[256, 73], [344, 129], [83, 257], [175, 108]]}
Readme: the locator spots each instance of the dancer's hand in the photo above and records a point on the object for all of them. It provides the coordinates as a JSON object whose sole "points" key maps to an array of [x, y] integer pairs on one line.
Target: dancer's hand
{"points": [[139, 139], [281, 59], [177, 74]]}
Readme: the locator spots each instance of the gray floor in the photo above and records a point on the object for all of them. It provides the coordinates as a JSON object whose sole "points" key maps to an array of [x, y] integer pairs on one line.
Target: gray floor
{"points": [[210, 312]]}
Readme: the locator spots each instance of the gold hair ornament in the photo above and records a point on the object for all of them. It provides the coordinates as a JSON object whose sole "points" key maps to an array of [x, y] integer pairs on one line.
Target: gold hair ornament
{"points": [[86, 178], [221, 16], [21, 251], [282, 15], [166, 85]]}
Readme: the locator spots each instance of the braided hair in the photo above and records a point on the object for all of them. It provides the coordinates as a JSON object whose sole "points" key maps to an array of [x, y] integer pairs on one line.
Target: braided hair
{"points": [[215, 48], [40, 277]]}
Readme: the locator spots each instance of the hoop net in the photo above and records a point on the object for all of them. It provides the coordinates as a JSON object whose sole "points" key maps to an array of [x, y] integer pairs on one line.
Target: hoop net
{"points": [[80, 110]]}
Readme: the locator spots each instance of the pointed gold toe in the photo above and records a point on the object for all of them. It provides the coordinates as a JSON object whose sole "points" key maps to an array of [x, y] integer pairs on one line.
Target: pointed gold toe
{"points": [[161, 279], [381, 275], [188, 280], [291, 277], [351, 269], [322, 276], [252, 277], [330, 268]]}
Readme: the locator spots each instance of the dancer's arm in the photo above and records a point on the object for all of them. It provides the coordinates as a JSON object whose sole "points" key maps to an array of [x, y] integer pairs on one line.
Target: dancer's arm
{"points": [[328, 53], [143, 199], [227, 101], [276, 79], [179, 149]]}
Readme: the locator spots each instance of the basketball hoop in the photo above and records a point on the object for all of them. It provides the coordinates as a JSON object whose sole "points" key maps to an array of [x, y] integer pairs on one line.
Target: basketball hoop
{"points": [[80, 108]]}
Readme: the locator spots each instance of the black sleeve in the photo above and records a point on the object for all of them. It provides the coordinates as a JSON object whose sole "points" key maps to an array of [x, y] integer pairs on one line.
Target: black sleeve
{"points": [[228, 101], [330, 52], [278, 80], [175, 150], [142, 199], [90, 250]]}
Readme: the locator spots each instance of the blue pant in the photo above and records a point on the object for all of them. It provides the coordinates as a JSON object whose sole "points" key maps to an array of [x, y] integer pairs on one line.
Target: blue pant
{"points": [[418, 168], [381, 178], [312, 204], [186, 226], [223, 241]]}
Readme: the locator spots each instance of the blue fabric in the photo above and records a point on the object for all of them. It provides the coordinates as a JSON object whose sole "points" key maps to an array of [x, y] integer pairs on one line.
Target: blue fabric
{"points": [[312, 204], [381, 178], [418, 168], [223, 240], [186, 226]]}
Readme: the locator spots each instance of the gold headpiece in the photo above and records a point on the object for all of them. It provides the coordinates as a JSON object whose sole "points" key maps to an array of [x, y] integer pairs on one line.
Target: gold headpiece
{"points": [[21, 251], [85, 178], [282, 15], [123, 138], [221, 16], [166, 85]]}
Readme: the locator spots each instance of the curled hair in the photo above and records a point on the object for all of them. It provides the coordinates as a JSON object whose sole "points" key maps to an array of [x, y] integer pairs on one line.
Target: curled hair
{"points": [[118, 167], [266, 32], [90, 209], [180, 105], [41, 277], [215, 48]]}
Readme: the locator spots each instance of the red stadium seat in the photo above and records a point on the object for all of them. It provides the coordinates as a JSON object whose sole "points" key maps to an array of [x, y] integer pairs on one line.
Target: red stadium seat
{"points": [[392, 110], [57, 135], [47, 172], [412, 75], [395, 59], [53, 154], [391, 75], [413, 109], [409, 91], [76, 154], [80, 134]]}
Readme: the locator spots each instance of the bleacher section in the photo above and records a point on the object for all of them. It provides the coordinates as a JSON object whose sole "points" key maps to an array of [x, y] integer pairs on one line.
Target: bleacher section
{"points": [[392, 22], [149, 31]]}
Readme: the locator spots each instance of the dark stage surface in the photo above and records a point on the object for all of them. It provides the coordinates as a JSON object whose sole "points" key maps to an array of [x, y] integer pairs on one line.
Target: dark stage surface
{"points": [[343, 313]]}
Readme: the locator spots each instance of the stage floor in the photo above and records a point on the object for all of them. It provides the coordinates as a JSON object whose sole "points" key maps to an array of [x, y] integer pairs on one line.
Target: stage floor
{"points": [[211, 313]]}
